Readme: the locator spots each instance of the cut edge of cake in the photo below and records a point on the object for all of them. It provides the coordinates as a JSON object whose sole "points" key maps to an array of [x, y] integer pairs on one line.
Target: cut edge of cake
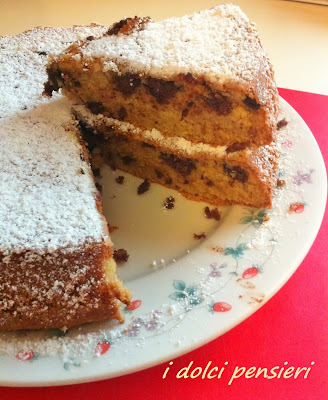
{"points": [[214, 85], [199, 172]]}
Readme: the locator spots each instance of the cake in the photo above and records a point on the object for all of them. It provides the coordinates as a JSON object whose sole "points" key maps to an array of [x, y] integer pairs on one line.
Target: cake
{"points": [[217, 175], [203, 77], [189, 103], [56, 257]]}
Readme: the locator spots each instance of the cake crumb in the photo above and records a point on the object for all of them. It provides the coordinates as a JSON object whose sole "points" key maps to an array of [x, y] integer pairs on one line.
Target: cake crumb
{"points": [[144, 186], [281, 183], [281, 123], [200, 236], [266, 217], [120, 180], [212, 214], [169, 203], [99, 187], [111, 228], [121, 256]]}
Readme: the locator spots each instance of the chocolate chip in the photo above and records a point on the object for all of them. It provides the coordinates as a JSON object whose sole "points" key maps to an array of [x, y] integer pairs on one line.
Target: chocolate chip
{"points": [[76, 83], [128, 25], [122, 114], [237, 147], [90, 38], [168, 181], [183, 166], [281, 123], [127, 83], [161, 90], [184, 113], [251, 103], [189, 78], [89, 135], [201, 236], [219, 103], [212, 214], [96, 107], [127, 160], [158, 174], [115, 28], [54, 81], [236, 172], [149, 146], [121, 256], [169, 203], [96, 171], [98, 186], [209, 183], [42, 53], [144, 186], [120, 180]]}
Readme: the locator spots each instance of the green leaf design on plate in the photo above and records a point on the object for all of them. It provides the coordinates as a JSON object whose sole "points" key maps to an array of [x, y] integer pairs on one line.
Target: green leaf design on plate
{"points": [[177, 296], [246, 220], [179, 285], [237, 252], [256, 218], [192, 290], [195, 301]]}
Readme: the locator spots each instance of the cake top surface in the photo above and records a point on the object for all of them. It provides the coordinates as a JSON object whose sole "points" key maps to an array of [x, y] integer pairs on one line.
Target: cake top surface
{"points": [[47, 194], [220, 45]]}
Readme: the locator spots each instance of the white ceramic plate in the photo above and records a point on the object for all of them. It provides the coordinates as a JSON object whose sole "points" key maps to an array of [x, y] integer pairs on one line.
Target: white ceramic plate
{"points": [[186, 292]]}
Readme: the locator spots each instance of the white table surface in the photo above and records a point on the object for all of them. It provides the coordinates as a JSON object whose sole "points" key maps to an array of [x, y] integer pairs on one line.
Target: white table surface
{"points": [[295, 35]]}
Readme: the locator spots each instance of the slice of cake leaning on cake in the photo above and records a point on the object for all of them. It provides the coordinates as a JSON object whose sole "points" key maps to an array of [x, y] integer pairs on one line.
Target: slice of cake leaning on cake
{"points": [[56, 264], [189, 102]]}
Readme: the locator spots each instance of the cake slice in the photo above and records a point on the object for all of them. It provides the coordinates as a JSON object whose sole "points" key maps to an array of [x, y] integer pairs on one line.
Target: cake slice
{"points": [[204, 77], [217, 175], [56, 258]]}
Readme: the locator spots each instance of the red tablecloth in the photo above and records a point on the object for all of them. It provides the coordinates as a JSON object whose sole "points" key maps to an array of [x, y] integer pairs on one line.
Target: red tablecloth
{"points": [[292, 327]]}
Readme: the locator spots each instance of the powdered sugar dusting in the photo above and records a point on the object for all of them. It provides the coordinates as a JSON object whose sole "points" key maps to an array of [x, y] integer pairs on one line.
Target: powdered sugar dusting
{"points": [[46, 187], [219, 44]]}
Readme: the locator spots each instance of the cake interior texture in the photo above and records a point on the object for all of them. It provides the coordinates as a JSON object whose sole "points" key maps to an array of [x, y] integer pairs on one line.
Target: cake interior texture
{"points": [[245, 177], [204, 77]]}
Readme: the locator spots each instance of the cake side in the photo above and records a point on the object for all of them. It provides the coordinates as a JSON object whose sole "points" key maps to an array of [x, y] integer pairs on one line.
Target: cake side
{"points": [[204, 77], [241, 177], [69, 287], [56, 264]]}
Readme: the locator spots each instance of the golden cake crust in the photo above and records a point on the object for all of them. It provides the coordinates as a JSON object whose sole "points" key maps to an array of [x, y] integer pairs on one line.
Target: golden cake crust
{"points": [[60, 290]]}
